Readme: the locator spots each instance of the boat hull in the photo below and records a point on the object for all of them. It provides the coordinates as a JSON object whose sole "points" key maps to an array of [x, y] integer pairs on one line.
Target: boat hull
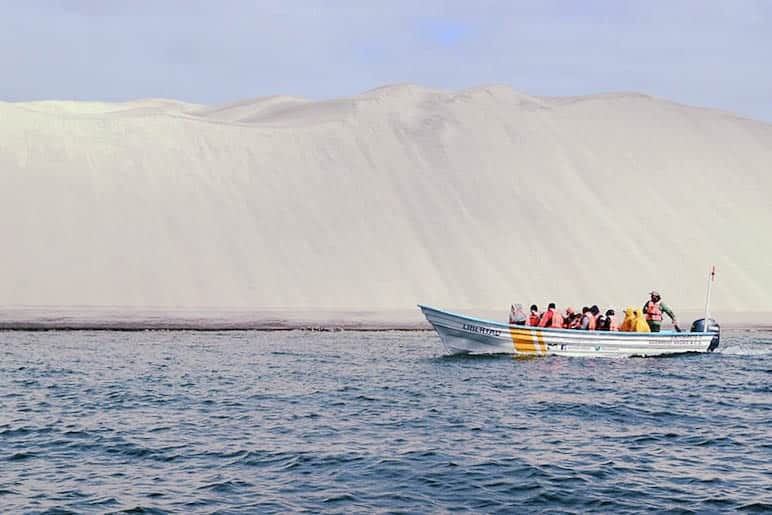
{"points": [[466, 335]]}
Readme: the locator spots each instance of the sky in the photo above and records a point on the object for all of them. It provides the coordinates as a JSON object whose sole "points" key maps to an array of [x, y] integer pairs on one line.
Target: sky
{"points": [[698, 52]]}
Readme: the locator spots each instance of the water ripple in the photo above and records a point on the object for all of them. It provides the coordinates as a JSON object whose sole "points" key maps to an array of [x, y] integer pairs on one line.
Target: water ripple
{"points": [[169, 422]]}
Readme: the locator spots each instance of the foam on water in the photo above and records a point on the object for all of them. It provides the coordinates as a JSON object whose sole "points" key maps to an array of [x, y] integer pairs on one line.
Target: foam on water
{"points": [[746, 350], [746, 343]]}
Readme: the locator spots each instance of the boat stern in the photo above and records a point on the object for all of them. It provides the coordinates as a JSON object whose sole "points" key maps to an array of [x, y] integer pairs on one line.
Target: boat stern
{"points": [[699, 326]]}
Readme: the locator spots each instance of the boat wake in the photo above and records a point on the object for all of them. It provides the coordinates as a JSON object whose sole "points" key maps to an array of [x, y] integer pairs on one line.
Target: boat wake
{"points": [[748, 343], [746, 349]]}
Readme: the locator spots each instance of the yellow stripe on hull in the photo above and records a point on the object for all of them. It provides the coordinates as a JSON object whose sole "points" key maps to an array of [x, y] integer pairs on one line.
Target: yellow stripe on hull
{"points": [[528, 341]]}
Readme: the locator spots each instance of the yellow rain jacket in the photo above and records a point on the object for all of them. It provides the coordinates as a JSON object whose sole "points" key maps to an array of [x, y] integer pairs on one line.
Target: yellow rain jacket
{"points": [[641, 326], [628, 324]]}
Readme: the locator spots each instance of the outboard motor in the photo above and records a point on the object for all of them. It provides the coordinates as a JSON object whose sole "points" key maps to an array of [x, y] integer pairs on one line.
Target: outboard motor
{"points": [[698, 326]]}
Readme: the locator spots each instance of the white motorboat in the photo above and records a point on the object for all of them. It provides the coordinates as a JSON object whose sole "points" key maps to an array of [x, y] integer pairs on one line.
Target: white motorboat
{"points": [[467, 335]]}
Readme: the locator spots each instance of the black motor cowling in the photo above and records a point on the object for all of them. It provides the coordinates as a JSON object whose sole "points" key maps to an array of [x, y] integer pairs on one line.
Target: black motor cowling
{"points": [[698, 326]]}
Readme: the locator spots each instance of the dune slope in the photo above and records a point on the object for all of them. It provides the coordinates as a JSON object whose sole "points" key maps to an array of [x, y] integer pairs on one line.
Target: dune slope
{"points": [[403, 194]]}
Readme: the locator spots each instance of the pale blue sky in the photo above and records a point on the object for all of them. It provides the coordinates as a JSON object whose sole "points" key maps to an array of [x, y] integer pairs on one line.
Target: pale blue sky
{"points": [[716, 54]]}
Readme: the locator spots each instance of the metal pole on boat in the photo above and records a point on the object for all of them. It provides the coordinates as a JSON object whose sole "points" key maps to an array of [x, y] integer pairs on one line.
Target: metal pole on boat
{"points": [[711, 276]]}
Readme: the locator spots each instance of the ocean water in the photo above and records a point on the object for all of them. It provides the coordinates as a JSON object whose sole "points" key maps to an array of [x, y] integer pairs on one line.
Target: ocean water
{"points": [[261, 422]]}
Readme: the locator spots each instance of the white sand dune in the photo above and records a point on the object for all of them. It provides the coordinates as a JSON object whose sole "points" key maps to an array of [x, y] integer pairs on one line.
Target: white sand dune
{"points": [[403, 194]]}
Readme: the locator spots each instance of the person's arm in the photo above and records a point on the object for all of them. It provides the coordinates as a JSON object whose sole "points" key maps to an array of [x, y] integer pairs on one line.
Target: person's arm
{"points": [[668, 311]]}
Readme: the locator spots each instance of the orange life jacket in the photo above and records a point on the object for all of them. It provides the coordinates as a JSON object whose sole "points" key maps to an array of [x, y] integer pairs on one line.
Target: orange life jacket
{"points": [[546, 318], [557, 320], [533, 319], [653, 311]]}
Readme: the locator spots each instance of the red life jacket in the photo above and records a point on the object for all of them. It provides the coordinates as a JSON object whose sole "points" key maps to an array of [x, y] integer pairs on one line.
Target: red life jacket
{"points": [[653, 311], [533, 319], [593, 321], [546, 318]]}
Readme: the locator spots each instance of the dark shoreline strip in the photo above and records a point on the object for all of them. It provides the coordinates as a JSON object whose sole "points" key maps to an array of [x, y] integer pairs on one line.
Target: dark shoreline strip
{"points": [[260, 327], [40, 327]]}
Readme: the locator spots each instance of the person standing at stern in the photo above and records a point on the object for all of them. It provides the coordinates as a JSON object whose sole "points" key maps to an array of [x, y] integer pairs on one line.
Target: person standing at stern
{"points": [[654, 309]]}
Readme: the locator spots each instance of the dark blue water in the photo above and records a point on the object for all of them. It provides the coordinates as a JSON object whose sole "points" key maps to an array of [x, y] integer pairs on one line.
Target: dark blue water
{"points": [[256, 422]]}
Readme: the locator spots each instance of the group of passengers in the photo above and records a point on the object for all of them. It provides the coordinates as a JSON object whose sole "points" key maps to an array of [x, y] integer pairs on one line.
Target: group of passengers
{"points": [[589, 319]]}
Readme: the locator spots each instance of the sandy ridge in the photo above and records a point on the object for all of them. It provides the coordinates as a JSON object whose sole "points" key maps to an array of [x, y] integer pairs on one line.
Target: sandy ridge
{"points": [[400, 195]]}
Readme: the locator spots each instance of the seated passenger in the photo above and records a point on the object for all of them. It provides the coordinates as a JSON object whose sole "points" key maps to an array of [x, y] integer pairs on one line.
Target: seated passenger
{"points": [[585, 323], [611, 320], [516, 315], [576, 321], [593, 322], [601, 324], [641, 326], [628, 324], [533, 317], [551, 317]]}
